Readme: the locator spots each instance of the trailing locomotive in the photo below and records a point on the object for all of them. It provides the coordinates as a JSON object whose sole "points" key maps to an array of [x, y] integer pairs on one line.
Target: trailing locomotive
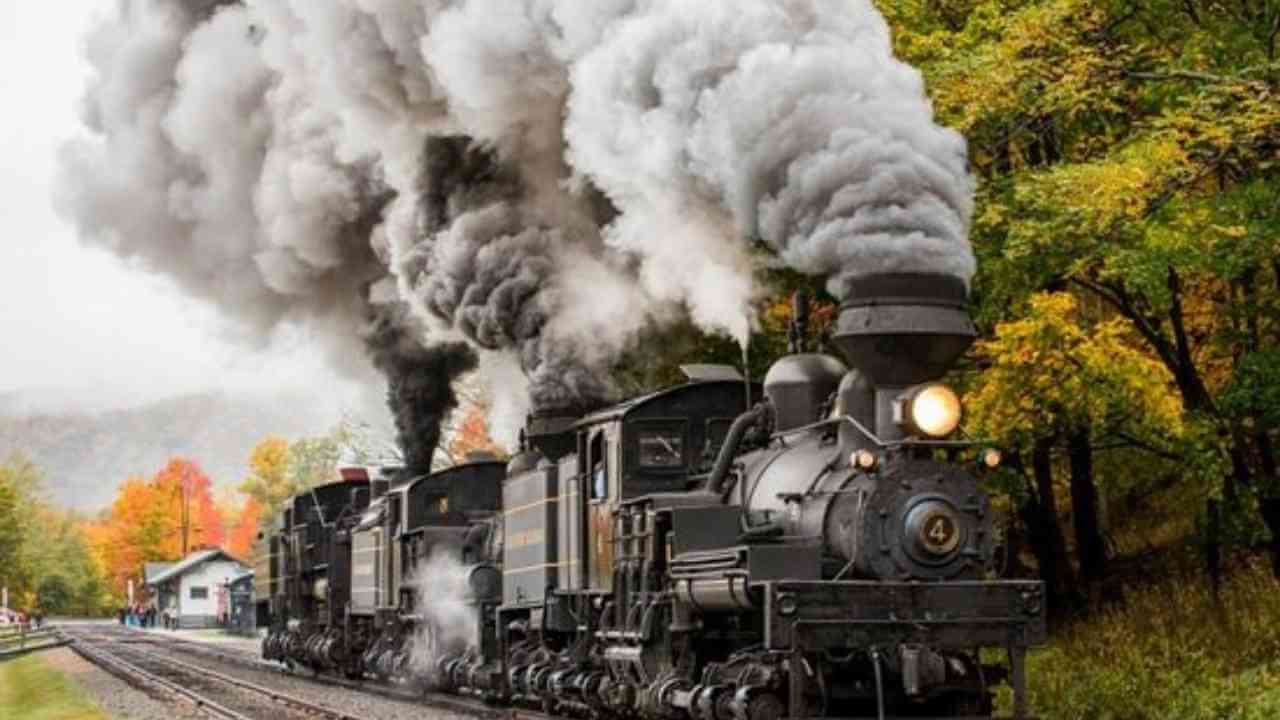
{"points": [[826, 551], [346, 568]]}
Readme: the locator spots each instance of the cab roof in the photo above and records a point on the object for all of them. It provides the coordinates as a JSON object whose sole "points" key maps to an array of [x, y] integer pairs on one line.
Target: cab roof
{"points": [[622, 410]]}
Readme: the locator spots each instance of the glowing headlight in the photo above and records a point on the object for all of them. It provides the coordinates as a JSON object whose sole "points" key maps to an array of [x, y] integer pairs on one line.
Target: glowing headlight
{"points": [[991, 458], [932, 410]]}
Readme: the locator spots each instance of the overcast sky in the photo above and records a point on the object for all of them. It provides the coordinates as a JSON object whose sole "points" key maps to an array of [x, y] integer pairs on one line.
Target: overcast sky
{"points": [[74, 317]]}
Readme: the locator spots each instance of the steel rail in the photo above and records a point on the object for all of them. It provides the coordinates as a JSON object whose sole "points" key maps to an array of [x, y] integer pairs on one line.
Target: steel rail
{"points": [[124, 669], [454, 703], [275, 696], [205, 673]]}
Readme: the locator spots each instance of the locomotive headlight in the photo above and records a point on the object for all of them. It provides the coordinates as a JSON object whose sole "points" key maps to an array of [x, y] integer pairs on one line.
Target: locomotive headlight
{"points": [[990, 458], [931, 410]]}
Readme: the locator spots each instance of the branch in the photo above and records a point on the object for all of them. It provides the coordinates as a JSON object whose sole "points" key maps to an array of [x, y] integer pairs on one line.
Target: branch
{"points": [[1271, 38], [1187, 374], [1143, 445], [1203, 77], [1120, 300]]}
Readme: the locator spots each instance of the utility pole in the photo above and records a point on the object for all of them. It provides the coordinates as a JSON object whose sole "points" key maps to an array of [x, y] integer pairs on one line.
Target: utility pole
{"points": [[186, 511], [184, 483]]}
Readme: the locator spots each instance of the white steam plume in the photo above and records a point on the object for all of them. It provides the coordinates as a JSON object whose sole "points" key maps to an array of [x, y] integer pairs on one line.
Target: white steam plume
{"points": [[449, 622], [273, 157]]}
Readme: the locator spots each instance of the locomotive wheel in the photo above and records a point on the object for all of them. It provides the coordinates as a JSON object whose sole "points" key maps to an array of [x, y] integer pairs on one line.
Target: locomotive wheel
{"points": [[765, 706], [966, 704]]}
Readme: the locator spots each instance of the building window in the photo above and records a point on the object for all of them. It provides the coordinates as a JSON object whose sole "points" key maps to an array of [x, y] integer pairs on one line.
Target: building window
{"points": [[199, 593]]}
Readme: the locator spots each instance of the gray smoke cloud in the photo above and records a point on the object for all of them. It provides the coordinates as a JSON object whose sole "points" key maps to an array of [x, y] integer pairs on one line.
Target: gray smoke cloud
{"points": [[600, 166], [487, 264]]}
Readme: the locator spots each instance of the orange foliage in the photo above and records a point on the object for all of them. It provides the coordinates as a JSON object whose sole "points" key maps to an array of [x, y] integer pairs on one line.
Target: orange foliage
{"points": [[183, 480], [146, 522], [241, 534], [472, 436]]}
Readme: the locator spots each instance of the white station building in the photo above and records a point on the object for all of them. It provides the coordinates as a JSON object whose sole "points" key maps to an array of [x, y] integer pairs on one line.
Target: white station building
{"points": [[191, 587]]}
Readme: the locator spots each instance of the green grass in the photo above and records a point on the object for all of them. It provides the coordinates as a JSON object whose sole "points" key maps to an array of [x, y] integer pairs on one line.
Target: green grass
{"points": [[31, 690], [1168, 652]]}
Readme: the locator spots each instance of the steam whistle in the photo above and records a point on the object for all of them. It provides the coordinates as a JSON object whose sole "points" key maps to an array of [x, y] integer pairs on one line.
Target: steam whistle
{"points": [[798, 330]]}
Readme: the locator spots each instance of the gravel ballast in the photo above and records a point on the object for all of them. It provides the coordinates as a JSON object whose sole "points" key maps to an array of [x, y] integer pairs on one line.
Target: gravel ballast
{"points": [[115, 697], [352, 701]]}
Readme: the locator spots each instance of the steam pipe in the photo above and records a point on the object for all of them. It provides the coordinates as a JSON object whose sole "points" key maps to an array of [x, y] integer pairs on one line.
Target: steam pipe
{"points": [[715, 481]]}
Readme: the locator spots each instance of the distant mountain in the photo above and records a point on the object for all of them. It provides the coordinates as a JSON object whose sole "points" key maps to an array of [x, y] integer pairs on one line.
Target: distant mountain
{"points": [[87, 454]]}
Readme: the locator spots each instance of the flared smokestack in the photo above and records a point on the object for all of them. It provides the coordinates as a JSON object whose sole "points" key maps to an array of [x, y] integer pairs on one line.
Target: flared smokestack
{"points": [[902, 329]]}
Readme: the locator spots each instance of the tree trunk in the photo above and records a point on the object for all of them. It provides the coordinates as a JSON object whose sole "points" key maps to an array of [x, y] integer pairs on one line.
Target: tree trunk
{"points": [[1270, 502], [1090, 547], [1213, 548], [1270, 508], [1046, 534]]}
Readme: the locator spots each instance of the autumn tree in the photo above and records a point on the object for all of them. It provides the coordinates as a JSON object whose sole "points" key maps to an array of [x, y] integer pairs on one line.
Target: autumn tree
{"points": [[186, 492], [244, 530], [268, 479], [472, 436], [157, 520], [44, 551], [1129, 151], [12, 531], [279, 469], [1054, 379]]}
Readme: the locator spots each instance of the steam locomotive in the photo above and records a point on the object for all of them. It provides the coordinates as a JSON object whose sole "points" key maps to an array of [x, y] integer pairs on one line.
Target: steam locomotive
{"points": [[824, 552]]}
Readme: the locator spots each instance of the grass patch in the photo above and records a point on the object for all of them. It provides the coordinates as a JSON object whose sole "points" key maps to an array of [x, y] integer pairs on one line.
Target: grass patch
{"points": [[1168, 652], [31, 690]]}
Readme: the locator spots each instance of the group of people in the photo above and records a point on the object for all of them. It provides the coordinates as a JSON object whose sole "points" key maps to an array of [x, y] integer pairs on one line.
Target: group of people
{"points": [[144, 617], [33, 619]]}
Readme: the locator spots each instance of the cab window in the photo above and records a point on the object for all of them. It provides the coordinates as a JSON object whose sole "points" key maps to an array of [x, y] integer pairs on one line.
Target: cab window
{"points": [[598, 472], [661, 447]]}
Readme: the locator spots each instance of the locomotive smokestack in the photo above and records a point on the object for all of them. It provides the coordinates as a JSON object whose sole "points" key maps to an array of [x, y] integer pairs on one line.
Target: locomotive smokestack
{"points": [[902, 329]]}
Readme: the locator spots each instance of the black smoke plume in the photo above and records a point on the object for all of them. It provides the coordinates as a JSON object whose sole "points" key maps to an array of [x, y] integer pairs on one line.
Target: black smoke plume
{"points": [[486, 263], [420, 379]]}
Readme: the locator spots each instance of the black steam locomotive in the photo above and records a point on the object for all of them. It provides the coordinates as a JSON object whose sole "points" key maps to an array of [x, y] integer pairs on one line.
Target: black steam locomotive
{"points": [[826, 552]]}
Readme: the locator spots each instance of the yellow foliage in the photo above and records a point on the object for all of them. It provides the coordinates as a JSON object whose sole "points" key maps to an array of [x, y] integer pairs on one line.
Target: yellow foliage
{"points": [[1048, 372]]}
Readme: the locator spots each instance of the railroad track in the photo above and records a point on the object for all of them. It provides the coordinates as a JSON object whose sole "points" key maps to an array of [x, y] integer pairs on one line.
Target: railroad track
{"points": [[452, 703], [218, 695]]}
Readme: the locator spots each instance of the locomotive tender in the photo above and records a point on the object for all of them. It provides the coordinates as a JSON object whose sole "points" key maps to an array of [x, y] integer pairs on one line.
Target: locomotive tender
{"points": [[826, 552]]}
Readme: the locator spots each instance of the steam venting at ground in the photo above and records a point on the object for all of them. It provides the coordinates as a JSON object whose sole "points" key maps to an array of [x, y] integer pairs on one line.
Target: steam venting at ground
{"points": [[448, 625], [539, 179]]}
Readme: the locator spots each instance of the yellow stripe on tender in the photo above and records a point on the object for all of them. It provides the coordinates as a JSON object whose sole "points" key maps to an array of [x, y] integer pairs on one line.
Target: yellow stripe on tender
{"points": [[543, 566], [522, 508], [539, 503]]}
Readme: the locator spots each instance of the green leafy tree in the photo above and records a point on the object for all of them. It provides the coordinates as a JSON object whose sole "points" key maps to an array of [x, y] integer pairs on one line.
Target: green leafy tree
{"points": [[12, 531]]}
